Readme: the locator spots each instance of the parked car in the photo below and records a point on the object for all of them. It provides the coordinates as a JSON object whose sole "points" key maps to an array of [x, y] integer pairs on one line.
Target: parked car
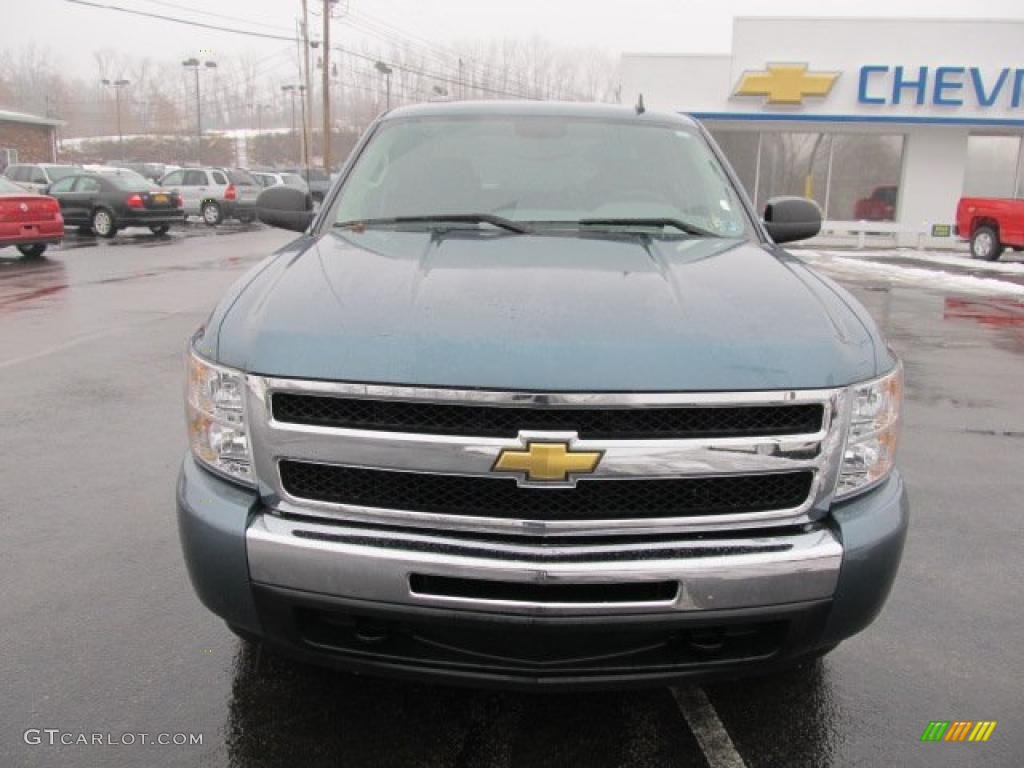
{"points": [[215, 194], [880, 205], [275, 178], [540, 401], [36, 177], [318, 180], [151, 171], [991, 225], [108, 202], [28, 220]]}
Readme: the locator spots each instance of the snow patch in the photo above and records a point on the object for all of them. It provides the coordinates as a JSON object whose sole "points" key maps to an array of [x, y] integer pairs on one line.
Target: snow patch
{"points": [[841, 266]]}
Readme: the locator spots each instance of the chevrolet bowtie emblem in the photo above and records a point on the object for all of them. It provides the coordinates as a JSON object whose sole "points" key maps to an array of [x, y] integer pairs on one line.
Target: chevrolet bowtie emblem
{"points": [[785, 83], [547, 462]]}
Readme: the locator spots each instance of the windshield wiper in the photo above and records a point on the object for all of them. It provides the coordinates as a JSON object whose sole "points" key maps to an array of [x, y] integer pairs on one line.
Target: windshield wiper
{"points": [[682, 226], [443, 218]]}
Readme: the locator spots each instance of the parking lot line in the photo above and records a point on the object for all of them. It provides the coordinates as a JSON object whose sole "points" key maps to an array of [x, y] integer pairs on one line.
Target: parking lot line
{"points": [[714, 740]]}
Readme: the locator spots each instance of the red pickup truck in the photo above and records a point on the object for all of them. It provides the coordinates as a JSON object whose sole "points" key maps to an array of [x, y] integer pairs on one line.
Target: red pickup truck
{"points": [[991, 224]]}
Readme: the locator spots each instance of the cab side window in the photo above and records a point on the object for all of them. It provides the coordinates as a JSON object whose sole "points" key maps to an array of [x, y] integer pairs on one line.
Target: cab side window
{"points": [[64, 185], [173, 179], [38, 177], [86, 184], [17, 173], [195, 178]]}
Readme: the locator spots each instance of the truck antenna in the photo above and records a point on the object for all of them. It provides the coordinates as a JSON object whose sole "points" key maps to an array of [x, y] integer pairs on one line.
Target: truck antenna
{"points": [[640, 108]]}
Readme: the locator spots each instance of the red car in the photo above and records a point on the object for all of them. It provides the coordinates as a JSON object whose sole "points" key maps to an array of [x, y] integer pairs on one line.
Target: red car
{"points": [[880, 206], [27, 220], [991, 224]]}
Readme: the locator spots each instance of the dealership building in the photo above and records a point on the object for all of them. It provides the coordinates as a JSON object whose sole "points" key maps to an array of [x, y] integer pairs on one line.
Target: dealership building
{"points": [[885, 123]]}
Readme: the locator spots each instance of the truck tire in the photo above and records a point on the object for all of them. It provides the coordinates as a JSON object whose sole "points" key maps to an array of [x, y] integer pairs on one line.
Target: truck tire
{"points": [[985, 244]]}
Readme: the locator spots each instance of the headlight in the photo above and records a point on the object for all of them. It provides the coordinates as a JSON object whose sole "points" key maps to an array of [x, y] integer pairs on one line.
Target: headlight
{"points": [[215, 412], [873, 433]]}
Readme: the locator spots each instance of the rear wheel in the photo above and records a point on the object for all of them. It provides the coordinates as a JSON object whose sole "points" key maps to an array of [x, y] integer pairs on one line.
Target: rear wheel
{"points": [[211, 214], [985, 244], [103, 223], [33, 250], [160, 229]]}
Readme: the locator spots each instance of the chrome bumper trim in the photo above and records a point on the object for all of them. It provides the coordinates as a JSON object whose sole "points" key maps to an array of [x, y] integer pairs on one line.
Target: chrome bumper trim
{"points": [[375, 565]]}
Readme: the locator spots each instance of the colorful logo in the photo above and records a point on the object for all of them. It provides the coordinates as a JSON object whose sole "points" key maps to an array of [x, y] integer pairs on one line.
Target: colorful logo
{"points": [[785, 83], [958, 730]]}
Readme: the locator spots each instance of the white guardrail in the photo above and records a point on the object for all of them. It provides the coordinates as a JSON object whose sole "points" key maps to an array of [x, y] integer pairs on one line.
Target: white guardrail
{"points": [[884, 234]]}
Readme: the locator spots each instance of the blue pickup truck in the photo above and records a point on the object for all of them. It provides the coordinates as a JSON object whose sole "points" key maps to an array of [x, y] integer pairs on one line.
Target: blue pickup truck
{"points": [[537, 400]]}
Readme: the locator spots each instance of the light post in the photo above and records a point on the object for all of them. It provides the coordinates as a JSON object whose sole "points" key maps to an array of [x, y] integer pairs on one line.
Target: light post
{"points": [[117, 85], [194, 64], [385, 70], [291, 90]]}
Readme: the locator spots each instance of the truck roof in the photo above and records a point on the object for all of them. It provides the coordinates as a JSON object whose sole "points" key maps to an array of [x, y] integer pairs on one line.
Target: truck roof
{"points": [[535, 109]]}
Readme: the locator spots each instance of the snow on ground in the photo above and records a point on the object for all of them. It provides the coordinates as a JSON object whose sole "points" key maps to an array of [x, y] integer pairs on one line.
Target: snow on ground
{"points": [[1011, 263], [836, 264]]}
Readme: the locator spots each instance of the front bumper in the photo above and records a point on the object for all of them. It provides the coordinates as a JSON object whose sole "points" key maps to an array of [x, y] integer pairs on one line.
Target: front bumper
{"points": [[399, 602]]}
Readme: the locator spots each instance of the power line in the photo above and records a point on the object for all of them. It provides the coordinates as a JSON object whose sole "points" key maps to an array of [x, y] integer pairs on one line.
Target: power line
{"points": [[269, 36]]}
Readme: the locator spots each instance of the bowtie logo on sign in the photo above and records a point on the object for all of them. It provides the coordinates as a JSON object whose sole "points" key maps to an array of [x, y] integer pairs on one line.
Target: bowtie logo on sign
{"points": [[785, 83]]}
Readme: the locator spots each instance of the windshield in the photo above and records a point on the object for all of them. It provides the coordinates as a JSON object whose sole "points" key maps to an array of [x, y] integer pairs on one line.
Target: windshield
{"points": [[57, 172], [238, 176], [542, 169]]}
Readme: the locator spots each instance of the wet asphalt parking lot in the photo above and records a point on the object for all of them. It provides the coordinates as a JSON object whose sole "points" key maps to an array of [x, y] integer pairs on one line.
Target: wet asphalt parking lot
{"points": [[100, 631]]}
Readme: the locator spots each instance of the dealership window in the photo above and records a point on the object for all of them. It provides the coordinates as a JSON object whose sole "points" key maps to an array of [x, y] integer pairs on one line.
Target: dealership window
{"points": [[993, 166], [852, 176], [865, 177], [741, 147], [794, 164]]}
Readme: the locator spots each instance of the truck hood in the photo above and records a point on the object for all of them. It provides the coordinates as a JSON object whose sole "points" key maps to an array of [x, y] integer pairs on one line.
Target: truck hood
{"points": [[544, 312]]}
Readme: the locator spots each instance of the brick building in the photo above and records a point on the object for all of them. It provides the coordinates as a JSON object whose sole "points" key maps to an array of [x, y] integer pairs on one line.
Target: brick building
{"points": [[27, 138]]}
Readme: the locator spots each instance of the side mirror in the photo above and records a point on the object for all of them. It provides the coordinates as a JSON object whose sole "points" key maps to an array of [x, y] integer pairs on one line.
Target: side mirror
{"points": [[285, 208], [792, 218]]}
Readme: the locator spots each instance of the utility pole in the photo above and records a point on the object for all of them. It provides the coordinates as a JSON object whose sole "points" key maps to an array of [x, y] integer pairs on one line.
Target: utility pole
{"points": [[327, 85], [117, 85], [307, 102], [193, 64]]}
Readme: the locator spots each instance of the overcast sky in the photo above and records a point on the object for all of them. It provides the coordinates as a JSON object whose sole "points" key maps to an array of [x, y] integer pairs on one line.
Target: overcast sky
{"points": [[72, 32]]}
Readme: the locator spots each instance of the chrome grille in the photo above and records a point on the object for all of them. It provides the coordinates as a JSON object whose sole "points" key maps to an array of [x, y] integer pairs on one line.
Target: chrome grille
{"points": [[502, 497], [732, 461], [508, 421]]}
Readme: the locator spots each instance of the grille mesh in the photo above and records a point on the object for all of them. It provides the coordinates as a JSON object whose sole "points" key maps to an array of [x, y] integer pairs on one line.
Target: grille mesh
{"points": [[503, 498], [592, 423]]}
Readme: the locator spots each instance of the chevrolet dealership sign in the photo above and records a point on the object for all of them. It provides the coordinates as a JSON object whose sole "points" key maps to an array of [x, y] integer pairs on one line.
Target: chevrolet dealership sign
{"points": [[947, 86]]}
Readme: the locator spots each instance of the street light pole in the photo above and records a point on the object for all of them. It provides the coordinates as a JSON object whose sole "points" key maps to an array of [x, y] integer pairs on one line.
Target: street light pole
{"points": [[385, 70], [193, 64], [117, 85], [290, 90]]}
